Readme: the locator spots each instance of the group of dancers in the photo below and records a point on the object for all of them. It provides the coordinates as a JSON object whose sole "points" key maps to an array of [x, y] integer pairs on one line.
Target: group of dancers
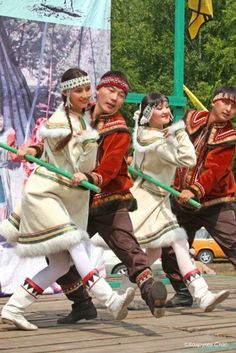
{"points": [[57, 215]]}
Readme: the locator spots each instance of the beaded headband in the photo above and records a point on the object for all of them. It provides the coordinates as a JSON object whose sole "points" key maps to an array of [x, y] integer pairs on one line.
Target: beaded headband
{"points": [[114, 81], [148, 110], [75, 82], [224, 96]]}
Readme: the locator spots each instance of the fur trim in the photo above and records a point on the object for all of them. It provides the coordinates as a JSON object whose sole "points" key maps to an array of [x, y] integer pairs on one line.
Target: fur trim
{"points": [[88, 135], [137, 147], [158, 137], [8, 231], [44, 132], [97, 240], [176, 126], [52, 246], [166, 239]]}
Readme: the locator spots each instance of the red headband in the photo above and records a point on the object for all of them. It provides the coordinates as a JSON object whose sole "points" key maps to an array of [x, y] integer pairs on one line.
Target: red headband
{"points": [[114, 81], [223, 95]]}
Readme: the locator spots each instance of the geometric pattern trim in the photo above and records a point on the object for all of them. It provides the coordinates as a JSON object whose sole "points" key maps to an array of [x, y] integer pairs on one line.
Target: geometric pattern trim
{"points": [[143, 277], [70, 288], [91, 278], [32, 288], [191, 276]]}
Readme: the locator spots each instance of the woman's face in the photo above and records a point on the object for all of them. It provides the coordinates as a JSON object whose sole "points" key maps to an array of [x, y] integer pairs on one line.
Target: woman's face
{"points": [[161, 115], [80, 97], [1, 122]]}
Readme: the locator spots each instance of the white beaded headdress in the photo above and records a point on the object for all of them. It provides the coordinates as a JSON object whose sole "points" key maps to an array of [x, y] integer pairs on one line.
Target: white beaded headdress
{"points": [[147, 113], [75, 82]]}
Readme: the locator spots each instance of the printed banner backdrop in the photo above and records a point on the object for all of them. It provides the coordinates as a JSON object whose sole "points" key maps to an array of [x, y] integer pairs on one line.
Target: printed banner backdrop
{"points": [[39, 40]]}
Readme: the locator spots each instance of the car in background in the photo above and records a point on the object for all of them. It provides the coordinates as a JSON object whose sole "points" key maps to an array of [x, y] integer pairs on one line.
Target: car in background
{"points": [[114, 266], [206, 248]]}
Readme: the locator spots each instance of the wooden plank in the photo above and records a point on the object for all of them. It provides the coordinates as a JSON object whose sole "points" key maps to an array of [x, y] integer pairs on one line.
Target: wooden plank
{"points": [[181, 330]]}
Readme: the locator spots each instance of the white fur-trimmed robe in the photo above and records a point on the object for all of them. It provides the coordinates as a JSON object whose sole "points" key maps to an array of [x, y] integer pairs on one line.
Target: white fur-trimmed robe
{"points": [[154, 223], [54, 213]]}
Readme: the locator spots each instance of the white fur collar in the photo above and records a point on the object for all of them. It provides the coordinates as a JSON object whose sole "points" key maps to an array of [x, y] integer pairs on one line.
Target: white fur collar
{"points": [[146, 139]]}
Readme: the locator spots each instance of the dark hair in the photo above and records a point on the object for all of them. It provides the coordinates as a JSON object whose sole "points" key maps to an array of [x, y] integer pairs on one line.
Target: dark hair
{"points": [[68, 75], [152, 99], [225, 89], [116, 73]]}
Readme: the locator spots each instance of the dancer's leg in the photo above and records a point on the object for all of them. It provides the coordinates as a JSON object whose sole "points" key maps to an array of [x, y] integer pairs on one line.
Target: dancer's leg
{"points": [[25, 295], [193, 279], [117, 304]]}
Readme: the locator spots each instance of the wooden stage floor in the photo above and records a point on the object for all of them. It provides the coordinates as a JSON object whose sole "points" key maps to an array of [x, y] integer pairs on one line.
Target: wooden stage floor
{"points": [[185, 330]]}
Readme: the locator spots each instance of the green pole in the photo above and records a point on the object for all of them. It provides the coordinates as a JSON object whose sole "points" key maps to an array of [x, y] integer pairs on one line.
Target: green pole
{"points": [[52, 167], [179, 58], [161, 185]]}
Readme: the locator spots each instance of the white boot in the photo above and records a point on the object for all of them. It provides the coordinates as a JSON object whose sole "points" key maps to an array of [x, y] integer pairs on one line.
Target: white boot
{"points": [[135, 304], [116, 304], [205, 299], [12, 312]]}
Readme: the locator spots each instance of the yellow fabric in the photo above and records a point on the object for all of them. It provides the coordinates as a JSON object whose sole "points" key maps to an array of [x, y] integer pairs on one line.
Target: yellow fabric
{"points": [[196, 102], [202, 11]]}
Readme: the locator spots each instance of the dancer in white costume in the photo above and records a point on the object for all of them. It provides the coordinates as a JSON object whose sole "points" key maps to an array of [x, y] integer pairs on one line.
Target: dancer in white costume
{"points": [[55, 210], [158, 150]]}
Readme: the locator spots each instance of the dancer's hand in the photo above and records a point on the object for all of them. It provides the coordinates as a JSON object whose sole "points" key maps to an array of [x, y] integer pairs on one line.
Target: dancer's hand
{"points": [[77, 178], [22, 151], [185, 195]]}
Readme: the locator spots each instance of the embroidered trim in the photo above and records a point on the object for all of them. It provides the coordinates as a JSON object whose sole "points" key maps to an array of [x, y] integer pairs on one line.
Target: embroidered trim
{"points": [[198, 188], [154, 236], [91, 278], [14, 219], [97, 178], [143, 277], [46, 234], [224, 95], [220, 200], [32, 288], [68, 288], [191, 276], [112, 126], [57, 179], [102, 198], [114, 81], [221, 133], [75, 82]]}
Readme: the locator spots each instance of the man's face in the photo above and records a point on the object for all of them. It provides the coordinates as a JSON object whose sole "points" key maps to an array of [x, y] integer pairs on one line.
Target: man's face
{"points": [[223, 110], [110, 99]]}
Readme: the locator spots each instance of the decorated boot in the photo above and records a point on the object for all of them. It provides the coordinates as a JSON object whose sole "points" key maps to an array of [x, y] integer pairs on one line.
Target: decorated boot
{"points": [[198, 287], [116, 304], [153, 292], [135, 304], [24, 296], [182, 296], [82, 307]]}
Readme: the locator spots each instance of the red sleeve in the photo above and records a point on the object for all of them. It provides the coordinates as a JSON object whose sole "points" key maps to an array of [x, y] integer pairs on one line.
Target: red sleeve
{"points": [[115, 148], [218, 165]]}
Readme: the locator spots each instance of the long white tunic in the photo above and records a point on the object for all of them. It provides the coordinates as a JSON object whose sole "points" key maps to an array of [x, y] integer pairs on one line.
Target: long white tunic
{"points": [[157, 156], [54, 212]]}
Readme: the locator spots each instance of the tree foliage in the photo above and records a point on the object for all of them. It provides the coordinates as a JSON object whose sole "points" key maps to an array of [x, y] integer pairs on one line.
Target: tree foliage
{"points": [[142, 44]]}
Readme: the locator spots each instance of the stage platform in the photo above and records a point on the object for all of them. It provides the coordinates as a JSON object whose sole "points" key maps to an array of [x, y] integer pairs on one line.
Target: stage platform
{"points": [[185, 330]]}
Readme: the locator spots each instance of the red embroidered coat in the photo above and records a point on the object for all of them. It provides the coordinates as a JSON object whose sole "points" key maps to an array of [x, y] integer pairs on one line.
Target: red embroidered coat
{"points": [[212, 178], [111, 173]]}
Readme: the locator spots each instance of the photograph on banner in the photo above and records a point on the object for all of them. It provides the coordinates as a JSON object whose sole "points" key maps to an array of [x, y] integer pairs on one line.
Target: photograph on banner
{"points": [[39, 40]]}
